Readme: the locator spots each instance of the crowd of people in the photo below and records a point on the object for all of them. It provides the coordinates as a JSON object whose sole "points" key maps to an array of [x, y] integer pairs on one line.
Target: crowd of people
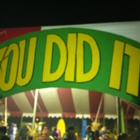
{"points": [[106, 134], [12, 133]]}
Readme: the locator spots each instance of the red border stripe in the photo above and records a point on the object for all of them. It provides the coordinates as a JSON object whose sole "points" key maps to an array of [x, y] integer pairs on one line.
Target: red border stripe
{"points": [[8, 33]]}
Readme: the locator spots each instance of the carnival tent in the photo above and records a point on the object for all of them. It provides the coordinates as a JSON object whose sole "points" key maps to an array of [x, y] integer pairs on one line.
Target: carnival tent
{"points": [[26, 68], [67, 102]]}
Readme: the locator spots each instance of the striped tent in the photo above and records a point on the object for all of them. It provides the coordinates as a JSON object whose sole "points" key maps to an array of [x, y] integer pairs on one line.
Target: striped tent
{"points": [[59, 102], [66, 102]]}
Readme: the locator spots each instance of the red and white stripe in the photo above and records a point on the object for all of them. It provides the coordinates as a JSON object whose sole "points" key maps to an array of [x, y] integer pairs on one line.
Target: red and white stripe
{"points": [[66, 102], [59, 102]]}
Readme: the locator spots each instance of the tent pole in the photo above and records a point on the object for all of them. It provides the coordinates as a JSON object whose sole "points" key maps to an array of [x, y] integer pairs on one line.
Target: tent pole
{"points": [[118, 114], [40, 110], [99, 108], [21, 120], [35, 106], [5, 111], [126, 114]]}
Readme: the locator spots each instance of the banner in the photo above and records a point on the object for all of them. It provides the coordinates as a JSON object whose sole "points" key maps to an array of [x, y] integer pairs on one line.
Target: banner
{"points": [[70, 57]]}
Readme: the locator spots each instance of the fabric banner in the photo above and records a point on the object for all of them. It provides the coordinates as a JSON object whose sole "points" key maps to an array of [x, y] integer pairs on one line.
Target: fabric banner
{"points": [[69, 58]]}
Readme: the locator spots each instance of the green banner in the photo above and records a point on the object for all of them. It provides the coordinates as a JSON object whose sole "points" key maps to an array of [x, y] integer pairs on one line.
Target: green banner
{"points": [[71, 57]]}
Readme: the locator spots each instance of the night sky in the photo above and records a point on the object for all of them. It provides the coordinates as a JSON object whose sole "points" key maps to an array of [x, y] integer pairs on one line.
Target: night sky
{"points": [[55, 12]]}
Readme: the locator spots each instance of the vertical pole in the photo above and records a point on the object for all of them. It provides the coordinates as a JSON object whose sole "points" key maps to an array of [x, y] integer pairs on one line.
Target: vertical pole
{"points": [[126, 118], [21, 120], [118, 114], [35, 106], [99, 108], [5, 109]]}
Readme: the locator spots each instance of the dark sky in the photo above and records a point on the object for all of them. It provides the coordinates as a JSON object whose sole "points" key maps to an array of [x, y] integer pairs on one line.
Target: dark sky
{"points": [[54, 12]]}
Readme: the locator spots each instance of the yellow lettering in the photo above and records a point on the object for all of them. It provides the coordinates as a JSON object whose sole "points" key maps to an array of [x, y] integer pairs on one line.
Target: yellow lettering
{"points": [[47, 75], [2, 54], [8, 80], [70, 69], [134, 69], [80, 75], [116, 68], [23, 80]]}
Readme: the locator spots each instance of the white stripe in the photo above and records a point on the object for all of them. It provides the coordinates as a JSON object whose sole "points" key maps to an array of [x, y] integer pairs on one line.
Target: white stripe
{"points": [[81, 101], [136, 116], [51, 100], [86, 116], [109, 105], [79, 116], [52, 115], [22, 102], [1, 114], [112, 116], [127, 29], [83, 116]]}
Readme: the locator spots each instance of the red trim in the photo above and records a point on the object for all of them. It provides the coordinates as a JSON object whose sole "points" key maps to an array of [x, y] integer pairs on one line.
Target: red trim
{"points": [[16, 114], [8, 33], [94, 116], [41, 114], [129, 117], [69, 115]]}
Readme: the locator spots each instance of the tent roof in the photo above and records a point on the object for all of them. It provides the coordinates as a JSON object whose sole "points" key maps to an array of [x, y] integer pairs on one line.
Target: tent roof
{"points": [[66, 102]]}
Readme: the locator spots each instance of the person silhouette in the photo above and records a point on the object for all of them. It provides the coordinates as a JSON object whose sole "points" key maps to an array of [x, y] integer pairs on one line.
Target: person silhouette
{"points": [[3, 135]]}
